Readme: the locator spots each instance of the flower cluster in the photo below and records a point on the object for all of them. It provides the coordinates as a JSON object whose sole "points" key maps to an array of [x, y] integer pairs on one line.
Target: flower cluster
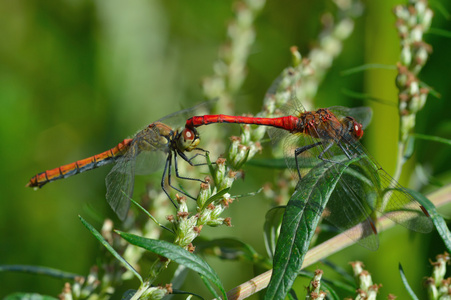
{"points": [[438, 286], [367, 290], [413, 20], [314, 288]]}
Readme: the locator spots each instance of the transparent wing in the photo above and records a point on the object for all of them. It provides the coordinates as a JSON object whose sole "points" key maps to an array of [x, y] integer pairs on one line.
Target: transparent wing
{"points": [[119, 182], [356, 199], [178, 119], [149, 161], [346, 210], [362, 114], [152, 148], [397, 204]]}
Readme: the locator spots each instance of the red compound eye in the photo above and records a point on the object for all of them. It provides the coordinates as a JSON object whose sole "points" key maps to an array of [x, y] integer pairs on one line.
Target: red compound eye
{"points": [[188, 134], [358, 130]]}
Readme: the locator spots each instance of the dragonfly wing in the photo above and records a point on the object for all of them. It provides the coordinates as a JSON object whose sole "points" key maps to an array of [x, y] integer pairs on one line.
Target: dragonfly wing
{"points": [[179, 118], [397, 204], [119, 182], [149, 161], [348, 209], [401, 207], [290, 142], [362, 114], [393, 200]]}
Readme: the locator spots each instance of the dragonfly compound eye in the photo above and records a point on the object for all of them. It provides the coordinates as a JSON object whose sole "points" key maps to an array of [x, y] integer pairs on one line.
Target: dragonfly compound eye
{"points": [[358, 130], [189, 139], [355, 128]]}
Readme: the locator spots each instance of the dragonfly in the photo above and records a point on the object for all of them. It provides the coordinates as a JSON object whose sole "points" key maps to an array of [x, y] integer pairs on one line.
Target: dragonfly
{"points": [[329, 135], [156, 146]]}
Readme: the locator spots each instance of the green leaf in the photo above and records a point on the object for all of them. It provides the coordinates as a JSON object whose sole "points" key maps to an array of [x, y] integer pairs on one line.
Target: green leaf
{"points": [[273, 163], [179, 276], [211, 168], [209, 287], [152, 217], [100, 238], [242, 161], [38, 270], [344, 275], [409, 149], [215, 197], [438, 220], [365, 96], [177, 254], [26, 296], [440, 32], [273, 221], [128, 294], [231, 249], [300, 220], [440, 8], [406, 284], [180, 292], [367, 67], [432, 138]]}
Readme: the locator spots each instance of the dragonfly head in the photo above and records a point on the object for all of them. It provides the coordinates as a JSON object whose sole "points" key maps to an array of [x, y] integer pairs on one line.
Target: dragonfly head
{"points": [[354, 128], [188, 139]]}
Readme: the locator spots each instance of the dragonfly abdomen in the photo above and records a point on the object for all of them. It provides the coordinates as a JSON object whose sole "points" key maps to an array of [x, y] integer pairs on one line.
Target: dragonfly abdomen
{"points": [[287, 123], [80, 166]]}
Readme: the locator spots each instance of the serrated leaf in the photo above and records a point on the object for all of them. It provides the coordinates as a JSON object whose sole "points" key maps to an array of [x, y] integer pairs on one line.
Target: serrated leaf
{"points": [[406, 284], [177, 254], [273, 221], [300, 220], [437, 219], [100, 238]]}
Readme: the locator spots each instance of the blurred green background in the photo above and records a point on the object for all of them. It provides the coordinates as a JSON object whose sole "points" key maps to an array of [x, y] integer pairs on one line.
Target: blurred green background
{"points": [[77, 77]]}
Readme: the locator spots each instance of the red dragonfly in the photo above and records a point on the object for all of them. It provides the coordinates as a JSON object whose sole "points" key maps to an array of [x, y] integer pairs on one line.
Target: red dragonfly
{"points": [[157, 145], [329, 135]]}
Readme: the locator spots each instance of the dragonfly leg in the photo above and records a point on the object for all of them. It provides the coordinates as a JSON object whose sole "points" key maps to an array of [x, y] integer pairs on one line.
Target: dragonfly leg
{"points": [[167, 166], [320, 156], [189, 160], [300, 150], [345, 150], [176, 172], [177, 169]]}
